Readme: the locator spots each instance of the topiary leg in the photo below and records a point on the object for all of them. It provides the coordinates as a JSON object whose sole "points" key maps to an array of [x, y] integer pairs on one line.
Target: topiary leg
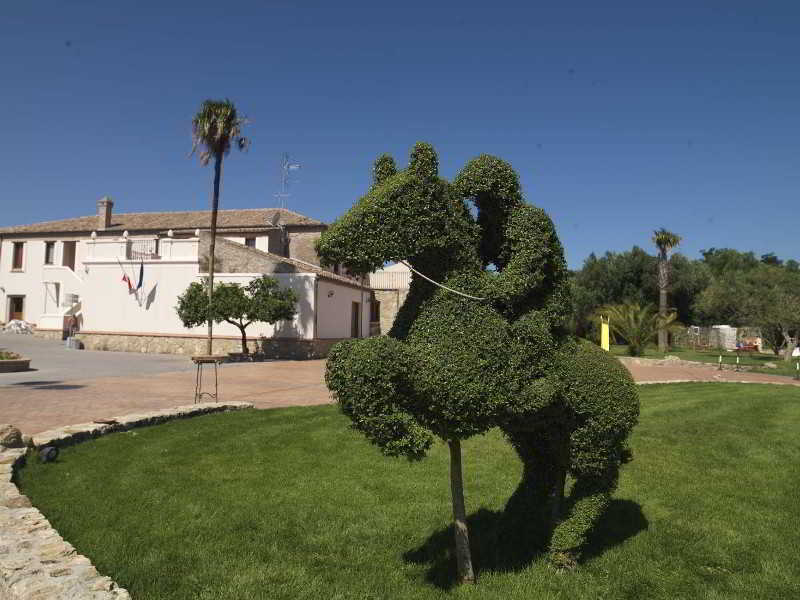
{"points": [[536, 505], [586, 504]]}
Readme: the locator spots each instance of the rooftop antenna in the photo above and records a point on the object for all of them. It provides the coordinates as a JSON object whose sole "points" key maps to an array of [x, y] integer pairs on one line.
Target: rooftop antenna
{"points": [[287, 166]]}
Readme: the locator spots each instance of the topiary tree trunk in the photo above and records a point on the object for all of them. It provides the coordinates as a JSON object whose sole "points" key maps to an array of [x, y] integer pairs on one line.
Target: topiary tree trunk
{"points": [[463, 554]]}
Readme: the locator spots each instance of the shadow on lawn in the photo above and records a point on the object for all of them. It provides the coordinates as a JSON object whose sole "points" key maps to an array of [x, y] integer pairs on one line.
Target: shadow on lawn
{"points": [[501, 542]]}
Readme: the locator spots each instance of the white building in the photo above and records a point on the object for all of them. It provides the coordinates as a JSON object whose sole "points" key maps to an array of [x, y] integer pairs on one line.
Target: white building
{"points": [[71, 271], [390, 286]]}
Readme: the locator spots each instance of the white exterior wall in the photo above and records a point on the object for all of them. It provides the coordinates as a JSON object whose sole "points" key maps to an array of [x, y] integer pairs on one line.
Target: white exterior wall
{"points": [[105, 305], [108, 307], [393, 277], [40, 306], [334, 310]]}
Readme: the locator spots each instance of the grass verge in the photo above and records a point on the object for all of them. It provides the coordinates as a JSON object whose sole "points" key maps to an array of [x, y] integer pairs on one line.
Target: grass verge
{"points": [[292, 504]]}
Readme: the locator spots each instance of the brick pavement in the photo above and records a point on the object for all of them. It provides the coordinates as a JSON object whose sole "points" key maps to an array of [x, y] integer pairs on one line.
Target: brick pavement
{"points": [[37, 407]]}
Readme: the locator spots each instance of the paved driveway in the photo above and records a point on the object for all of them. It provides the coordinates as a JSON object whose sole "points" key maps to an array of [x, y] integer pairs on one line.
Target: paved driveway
{"points": [[52, 362], [76, 386]]}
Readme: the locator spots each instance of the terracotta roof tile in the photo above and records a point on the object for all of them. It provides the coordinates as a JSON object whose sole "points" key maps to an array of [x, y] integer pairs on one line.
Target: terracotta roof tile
{"points": [[160, 221]]}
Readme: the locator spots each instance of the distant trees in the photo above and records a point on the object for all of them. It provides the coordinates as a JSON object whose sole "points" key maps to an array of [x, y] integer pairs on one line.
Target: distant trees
{"points": [[637, 325], [763, 295], [726, 286], [631, 277], [261, 300]]}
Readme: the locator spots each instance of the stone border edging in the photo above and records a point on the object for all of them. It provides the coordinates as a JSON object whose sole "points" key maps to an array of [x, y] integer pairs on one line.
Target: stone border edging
{"points": [[661, 382], [36, 563], [674, 361]]}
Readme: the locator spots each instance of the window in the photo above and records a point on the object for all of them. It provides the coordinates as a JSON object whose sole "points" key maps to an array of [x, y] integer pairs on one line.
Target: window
{"points": [[17, 262], [49, 252], [355, 320], [250, 242], [375, 311]]}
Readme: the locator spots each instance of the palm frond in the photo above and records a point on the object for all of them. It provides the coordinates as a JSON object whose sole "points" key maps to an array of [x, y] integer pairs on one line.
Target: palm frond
{"points": [[215, 128], [665, 240]]}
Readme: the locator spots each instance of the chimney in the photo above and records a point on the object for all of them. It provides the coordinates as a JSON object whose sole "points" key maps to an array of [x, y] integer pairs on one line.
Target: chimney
{"points": [[104, 206]]}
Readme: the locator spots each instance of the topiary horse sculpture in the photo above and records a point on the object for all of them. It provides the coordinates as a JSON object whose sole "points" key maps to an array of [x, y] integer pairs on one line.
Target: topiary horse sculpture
{"points": [[473, 348]]}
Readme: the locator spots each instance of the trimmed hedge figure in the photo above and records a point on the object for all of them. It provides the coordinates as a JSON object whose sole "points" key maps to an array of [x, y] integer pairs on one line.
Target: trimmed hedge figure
{"points": [[491, 350]]}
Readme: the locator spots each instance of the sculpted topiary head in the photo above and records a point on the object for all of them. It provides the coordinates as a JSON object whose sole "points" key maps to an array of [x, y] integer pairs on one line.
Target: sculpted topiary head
{"points": [[405, 215]]}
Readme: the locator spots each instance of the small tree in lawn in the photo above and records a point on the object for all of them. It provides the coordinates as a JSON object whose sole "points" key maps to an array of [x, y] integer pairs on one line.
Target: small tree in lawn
{"points": [[262, 300]]}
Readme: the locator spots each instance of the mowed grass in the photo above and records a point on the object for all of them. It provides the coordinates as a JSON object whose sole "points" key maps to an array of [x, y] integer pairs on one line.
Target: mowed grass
{"points": [[292, 504], [748, 359]]}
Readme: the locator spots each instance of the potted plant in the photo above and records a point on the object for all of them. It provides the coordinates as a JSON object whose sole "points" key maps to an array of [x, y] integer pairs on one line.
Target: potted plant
{"points": [[11, 362]]}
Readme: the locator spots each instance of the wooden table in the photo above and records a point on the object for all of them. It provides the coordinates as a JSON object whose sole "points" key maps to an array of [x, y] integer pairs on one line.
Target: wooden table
{"points": [[198, 382]]}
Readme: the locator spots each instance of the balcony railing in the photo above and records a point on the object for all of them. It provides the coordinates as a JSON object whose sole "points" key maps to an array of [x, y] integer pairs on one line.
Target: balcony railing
{"points": [[142, 250]]}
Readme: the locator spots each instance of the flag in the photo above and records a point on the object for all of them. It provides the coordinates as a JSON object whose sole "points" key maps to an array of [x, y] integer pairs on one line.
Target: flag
{"points": [[127, 280], [141, 276]]}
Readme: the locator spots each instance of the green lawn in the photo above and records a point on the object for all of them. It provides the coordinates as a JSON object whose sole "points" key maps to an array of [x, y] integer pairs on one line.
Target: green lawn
{"points": [[292, 504], [750, 359]]}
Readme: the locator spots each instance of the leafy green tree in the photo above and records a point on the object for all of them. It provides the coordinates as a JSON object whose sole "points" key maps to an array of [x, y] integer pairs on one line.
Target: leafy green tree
{"points": [[726, 260], [637, 325], [764, 296], [665, 241], [614, 278], [688, 278], [215, 128], [262, 300]]}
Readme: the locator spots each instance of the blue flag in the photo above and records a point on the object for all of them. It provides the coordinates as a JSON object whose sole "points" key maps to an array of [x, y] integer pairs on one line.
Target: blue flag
{"points": [[141, 275]]}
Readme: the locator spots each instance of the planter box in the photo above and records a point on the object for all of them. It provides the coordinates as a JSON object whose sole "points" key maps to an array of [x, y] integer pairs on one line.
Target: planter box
{"points": [[14, 365]]}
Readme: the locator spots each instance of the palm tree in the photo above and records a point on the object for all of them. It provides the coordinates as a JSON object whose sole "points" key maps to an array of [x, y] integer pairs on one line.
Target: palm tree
{"points": [[637, 325], [665, 241], [215, 128]]}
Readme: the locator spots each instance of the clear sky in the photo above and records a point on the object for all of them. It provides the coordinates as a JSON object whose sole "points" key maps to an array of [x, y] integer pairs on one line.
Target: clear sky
{"points": [[621, 117]]}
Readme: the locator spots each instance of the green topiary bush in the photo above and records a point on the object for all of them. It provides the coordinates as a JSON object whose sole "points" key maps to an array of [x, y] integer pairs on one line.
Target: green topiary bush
{"points": [[454, 366]]}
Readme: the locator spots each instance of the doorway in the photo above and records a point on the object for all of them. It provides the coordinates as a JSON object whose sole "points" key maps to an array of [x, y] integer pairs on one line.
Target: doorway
{"points": [[16, 308], [355, 320]]}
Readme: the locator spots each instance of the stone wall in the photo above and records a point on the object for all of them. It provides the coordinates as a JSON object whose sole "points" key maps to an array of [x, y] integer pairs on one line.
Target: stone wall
{"points": [[36, 563], [391, 301], [284, 348], [301, 245], [48, 334], [231, 257]]}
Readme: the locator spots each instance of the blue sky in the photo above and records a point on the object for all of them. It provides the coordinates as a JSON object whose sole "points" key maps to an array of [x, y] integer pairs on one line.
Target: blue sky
{"points": [[621, 117]]}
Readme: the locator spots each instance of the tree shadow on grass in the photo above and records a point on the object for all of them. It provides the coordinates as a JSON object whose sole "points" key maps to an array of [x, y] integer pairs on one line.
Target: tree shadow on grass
{"points": [[506, 541]]}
